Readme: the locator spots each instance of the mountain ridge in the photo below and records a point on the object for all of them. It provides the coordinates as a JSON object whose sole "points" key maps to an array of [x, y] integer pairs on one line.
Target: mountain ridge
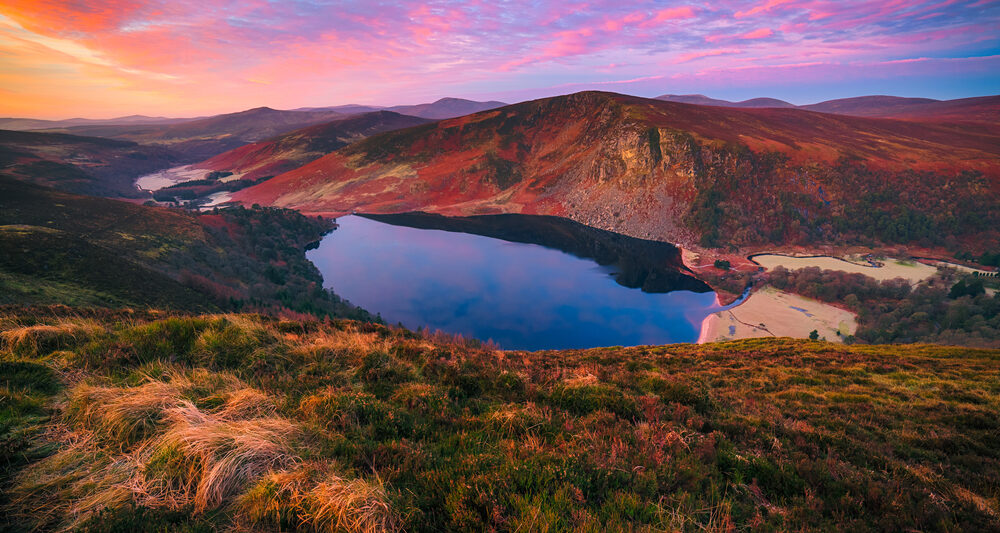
{"points": [[581, 155]]}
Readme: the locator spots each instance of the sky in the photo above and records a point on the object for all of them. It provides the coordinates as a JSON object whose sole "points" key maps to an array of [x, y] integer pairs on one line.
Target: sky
{"points": [[179, 58]]}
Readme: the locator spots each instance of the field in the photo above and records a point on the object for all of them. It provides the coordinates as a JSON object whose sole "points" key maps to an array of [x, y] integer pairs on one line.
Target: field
{"points": [[911, 271], [123, 421]]}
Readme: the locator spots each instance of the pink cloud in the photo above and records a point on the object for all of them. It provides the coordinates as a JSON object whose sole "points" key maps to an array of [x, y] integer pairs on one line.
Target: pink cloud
{"points": [[691, 56], [671, 13], [258, 52], [757, 34], [762, 8]]}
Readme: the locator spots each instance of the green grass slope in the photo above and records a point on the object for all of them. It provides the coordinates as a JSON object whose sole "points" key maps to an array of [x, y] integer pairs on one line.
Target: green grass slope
{"points": [[122, 422]]}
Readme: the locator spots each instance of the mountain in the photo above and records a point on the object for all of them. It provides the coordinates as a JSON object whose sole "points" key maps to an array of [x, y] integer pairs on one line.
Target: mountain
{"points": [[445, 108], [985, 109], [670, 171], [84, 165], [699, 99], [23, 124], [292, 150], [200, 139], [347, 109]]}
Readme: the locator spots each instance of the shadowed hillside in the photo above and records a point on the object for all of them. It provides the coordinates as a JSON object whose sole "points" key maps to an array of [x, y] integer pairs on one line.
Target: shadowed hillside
{"points": [[136, 422], [83, 165], [58, 248], [652, 266], [670, 171]]}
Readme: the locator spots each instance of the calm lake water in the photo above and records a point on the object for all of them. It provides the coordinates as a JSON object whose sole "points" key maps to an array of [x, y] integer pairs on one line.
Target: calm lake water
{"points": [[522, 296]]}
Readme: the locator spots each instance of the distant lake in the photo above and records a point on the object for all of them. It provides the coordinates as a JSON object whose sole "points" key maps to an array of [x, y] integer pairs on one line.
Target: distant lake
{"points": [[518, 294]]}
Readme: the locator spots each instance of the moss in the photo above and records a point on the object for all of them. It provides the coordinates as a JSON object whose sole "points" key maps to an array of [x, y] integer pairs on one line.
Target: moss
{"points": [[589, 398]]}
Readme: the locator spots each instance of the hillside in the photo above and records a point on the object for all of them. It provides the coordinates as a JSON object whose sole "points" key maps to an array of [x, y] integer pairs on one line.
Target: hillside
{"points": [[984, 109], [700, 99], [670, 171], [83, 165], [203, 138], [126, 421], [443, 108], [23, 124], [292, 150], [82, 251]]}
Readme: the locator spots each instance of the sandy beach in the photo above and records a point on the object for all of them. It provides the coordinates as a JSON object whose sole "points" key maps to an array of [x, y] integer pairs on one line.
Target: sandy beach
{"points": [[773, 313]]}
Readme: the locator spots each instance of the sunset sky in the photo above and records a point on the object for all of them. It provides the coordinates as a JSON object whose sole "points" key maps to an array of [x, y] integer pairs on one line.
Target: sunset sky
{"points": [[105, 58]]}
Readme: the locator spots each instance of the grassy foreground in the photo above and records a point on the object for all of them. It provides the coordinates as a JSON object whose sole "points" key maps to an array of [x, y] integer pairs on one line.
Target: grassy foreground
{"points": [[121, 421]]}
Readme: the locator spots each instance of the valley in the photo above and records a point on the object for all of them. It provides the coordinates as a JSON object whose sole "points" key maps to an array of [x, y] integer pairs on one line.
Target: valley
{"points": [[588, 312], [711, 177]]}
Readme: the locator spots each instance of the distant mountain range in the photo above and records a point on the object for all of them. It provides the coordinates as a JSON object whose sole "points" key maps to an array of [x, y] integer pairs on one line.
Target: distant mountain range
{"points": [[443, 108], [202, 138], [979, 109], [24, 124]]}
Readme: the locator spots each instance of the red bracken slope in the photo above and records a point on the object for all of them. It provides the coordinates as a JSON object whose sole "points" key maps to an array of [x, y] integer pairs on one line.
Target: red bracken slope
{"points": [[294, 149], [608, 160]]}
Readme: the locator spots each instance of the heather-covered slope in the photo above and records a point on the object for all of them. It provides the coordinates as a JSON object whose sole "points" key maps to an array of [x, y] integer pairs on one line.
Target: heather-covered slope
{"points": [[131, 422], [292, 150], [83, 165], [668, 171]]}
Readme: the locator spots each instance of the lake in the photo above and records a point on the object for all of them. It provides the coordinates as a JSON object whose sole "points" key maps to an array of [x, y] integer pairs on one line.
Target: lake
{"points": [[611, 290]]}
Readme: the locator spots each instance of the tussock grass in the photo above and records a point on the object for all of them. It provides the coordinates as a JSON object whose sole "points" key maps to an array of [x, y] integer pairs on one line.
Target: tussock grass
{"points": [[42, 339], [331, 504], [204, 459]]}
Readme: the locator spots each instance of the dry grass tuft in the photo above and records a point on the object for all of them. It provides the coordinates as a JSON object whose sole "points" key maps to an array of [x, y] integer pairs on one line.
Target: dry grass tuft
{"points": [[332, 505], [66, 488], [121, 417], [42, 339], [205, 458], [351, 505]]}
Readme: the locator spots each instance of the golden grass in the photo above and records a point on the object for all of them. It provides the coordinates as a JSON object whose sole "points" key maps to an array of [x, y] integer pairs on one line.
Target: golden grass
{"points": [[42, 339], [205, 458], [331, 505], [152, 445]]}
